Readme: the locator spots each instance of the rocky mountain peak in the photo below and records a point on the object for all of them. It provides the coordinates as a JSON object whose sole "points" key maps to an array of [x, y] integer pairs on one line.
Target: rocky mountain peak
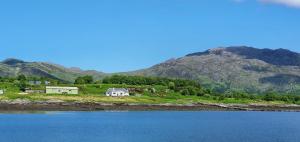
{"points": [[12, 61], [236, 67], [279, 57], [217, 51]]}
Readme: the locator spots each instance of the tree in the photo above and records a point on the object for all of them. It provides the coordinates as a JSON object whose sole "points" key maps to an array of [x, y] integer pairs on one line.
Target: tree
{"points": [[172, 85], [22, 86], [200, 92], [88, 79], [192, 90], [84, 80], [185, 92], [221, 97], [79, 80], [270, 96], [21, 77]]}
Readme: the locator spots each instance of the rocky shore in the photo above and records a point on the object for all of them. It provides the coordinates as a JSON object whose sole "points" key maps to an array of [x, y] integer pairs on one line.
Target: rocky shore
{"points": [[24, 105]]}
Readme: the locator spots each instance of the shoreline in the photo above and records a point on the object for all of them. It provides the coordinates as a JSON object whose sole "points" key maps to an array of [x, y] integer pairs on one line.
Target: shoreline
{"points": [[92, 106]]}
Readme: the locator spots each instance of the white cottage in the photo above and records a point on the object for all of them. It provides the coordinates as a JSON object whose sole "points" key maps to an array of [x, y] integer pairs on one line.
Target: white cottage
{"points": [[1, 92], [117, 92]]}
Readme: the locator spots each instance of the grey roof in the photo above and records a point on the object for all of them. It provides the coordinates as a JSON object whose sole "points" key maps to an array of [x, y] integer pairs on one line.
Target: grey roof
{"points": [[117, 90], [58, 87]]}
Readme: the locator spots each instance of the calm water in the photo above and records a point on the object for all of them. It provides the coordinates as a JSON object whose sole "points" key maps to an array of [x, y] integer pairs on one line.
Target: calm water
{"points": [[150, 127]]}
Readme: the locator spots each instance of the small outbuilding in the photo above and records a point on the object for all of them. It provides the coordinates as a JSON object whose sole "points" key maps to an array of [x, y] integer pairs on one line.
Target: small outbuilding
{"points": [[47, 82], [1, 92], [62, 90], [35, 82], [117, 92]]}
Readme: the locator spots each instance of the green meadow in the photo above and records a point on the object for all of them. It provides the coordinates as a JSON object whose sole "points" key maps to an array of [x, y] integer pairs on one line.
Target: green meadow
{"points": [[143, 90], [95, 93]]}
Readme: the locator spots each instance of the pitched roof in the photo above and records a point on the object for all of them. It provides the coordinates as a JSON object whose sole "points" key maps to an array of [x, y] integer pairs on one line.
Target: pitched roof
{"points": [[117, 90]]}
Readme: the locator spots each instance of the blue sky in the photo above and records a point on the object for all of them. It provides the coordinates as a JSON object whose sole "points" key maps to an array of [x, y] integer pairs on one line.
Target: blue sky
{"points": [[123, 35]]}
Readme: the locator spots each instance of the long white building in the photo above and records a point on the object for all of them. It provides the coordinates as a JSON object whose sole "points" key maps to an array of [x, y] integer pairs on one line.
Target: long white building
{"points": [[61, 90]]}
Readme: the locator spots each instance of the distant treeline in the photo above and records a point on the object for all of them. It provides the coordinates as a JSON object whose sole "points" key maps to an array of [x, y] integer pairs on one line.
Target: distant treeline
{"points": [[141, 80], [23, 82], [23, 78], [192, 88], [186, 87], [267, 96]]}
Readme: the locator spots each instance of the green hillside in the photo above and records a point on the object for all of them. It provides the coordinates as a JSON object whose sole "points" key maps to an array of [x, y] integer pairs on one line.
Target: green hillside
{"points": [[15, 67]]}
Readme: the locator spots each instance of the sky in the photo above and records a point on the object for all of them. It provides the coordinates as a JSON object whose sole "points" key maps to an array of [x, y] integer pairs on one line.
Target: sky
{"points": [[126, 35]]}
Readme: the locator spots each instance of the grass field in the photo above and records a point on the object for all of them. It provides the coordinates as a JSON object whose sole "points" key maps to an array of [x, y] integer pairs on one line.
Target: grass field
{"points": [[95, 93], [132, 99]]}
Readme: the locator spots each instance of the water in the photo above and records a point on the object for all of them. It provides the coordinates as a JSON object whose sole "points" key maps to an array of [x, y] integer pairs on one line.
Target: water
{"points": [[150, 127]]}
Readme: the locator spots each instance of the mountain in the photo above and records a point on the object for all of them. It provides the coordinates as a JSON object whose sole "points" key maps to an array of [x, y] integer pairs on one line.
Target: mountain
{"points": [[15, 67], [240, 67]]}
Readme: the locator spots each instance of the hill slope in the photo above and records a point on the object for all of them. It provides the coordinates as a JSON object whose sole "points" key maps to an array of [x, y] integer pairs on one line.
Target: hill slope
{"points": [[247, 68], [15, 67]]}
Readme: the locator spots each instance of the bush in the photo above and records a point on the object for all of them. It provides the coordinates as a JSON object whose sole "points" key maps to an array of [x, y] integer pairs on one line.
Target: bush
{"points": [[185, 92], [172, 86], [22, 86], [270, 96]]}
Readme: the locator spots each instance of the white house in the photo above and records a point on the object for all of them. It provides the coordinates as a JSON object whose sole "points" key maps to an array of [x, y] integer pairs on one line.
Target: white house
{"points": [[61, 90], [1, 92], [117, 92]]}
